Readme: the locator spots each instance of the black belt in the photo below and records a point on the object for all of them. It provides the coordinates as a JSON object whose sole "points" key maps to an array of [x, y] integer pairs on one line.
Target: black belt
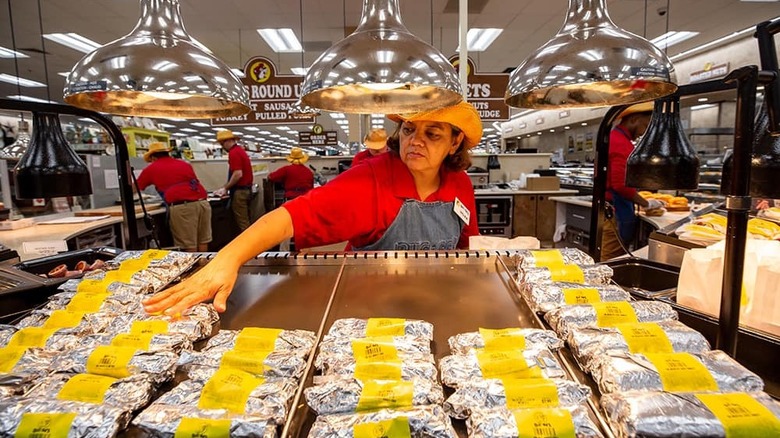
{"points": [[171, 204], [241, 187]]}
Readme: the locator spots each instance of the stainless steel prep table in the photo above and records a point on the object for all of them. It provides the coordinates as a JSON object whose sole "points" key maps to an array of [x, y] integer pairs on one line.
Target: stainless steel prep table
{"points": [[455, 291]]}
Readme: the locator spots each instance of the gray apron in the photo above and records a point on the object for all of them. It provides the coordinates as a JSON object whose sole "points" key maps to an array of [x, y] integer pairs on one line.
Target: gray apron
{"points": [[425, 226]]}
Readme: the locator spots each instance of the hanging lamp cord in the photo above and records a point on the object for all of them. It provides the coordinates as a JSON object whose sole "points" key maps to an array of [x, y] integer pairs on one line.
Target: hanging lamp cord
{"points": [[16, 57], [43, 47], [148, 222]]}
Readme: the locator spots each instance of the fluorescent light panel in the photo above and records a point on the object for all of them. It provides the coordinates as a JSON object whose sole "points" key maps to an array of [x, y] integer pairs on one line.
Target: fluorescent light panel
{"points": [[11, 79], [29, 99], [479, 39], [8, 53], [300, 71], [73, 40], [281, 40], [673, 37]]}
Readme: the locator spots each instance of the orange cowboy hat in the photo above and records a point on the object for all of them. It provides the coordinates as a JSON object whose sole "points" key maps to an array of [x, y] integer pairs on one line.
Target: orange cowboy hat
{"points": [[644, 107], [297, 154], [155, 148], [376, 139], [462, 116], [226, 135]]}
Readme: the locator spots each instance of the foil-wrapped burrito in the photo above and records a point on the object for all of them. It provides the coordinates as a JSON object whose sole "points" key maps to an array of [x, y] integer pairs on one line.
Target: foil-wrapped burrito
{"points": [[266, 398], [456, 370], [196, 323], [110, 303], [363, 328], [589, 343], [671, 415], [349, 395], [162, 259], [544, 297], [331, 345], [530, 258], [327, 359], [583, 274], [542, 422], [268, 364], [46, 417], [117, 362], [21, 367], [148, 279], [166, 421], [481, 394], [389, 370], [175, 342], [50, 339], [709, 371], [68, 322], [260, 339], [566, 318], [505, 339], [130, 393], [114, 287], [418, 422]]}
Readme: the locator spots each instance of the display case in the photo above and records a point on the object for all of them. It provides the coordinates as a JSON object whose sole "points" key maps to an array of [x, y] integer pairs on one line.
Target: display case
{"points": [[576, 178], [139, 139]]}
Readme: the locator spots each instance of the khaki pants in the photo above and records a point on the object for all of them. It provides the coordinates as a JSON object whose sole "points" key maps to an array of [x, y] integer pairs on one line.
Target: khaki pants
{"points": [[240, 206], [610, 247], [190, 224]]}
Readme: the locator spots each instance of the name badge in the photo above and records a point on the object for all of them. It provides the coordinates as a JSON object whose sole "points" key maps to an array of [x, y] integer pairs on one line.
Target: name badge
{"points": [[460, 209]]}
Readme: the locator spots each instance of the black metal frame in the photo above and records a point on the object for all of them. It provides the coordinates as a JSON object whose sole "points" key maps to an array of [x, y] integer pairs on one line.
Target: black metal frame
{"points": [[122, 157]]}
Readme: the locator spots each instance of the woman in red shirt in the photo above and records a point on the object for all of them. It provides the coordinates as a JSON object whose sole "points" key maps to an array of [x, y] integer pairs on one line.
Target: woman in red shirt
{"points": [[415, 197], [296, 177]]}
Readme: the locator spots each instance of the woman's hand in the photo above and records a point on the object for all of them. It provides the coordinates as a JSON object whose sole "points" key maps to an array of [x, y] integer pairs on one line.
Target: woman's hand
{"points": [[215, 280]]}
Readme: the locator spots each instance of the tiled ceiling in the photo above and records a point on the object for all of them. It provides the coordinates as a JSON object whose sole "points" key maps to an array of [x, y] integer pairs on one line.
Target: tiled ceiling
{"points": [[227, 27]]}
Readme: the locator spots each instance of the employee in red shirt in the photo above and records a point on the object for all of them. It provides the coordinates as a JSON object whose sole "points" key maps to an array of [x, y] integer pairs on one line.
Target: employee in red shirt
{"points": [[415, 197], [376, 144], [189, 214], [296, 177], [240, 178], [632, 124]]}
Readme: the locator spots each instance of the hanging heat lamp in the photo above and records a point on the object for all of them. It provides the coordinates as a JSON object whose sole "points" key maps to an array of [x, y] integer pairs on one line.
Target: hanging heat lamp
{"points": [[50, 168], [157, 70], [591, 62], [664, 158], [381, 68], [764, 161], [15, 150]]}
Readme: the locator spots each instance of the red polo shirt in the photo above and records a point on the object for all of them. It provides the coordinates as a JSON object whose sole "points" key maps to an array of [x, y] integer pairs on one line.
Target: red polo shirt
{"points": [[360, 157], [620, 148], [239, 160], [174, 178], [360, 204], [298, 179]]}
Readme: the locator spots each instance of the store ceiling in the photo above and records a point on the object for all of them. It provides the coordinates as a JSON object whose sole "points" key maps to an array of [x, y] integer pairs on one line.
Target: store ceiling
{"points": [[227, 27]]}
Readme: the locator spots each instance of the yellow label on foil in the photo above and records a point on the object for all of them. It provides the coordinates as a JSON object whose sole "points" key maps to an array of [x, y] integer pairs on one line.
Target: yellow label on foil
{"points": [[140, 341], [63, 319], [547, 258], [385, 327], [134, 265], [367, 350], [31, 337], [257, 339], [378, 371], [9, 357], [45, 425], [153, 326], [502, 339], [202, 428], [611, 314], [530, 393], [544, 423], [568, 273], [120, 276], [587, 295], [395, 428], [86, 302], [228, 388], [645, 337], [93, 286], [253, 362], [741, 415], [378, 394], [682, 372], [503, 364], [154, 254], [88, 388], [110, 361]]}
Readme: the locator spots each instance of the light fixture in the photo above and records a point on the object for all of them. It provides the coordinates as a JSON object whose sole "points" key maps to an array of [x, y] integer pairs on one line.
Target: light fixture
{"points": [[50, 168], [15, 150], [156, 70], [673, 37], [28, 98], [351, 76], [664, 158], [281, 40], [764, 161], [8, 53], [73, 40], [590, 63], [479, 39]]}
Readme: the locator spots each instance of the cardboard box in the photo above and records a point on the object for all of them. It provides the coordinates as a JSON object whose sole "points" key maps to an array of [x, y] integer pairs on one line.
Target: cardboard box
{"points": [[543, 183]]}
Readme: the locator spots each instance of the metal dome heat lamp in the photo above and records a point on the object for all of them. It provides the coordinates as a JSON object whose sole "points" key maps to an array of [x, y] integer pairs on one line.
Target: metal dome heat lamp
{"points": [[50, 168], [664, 158]]}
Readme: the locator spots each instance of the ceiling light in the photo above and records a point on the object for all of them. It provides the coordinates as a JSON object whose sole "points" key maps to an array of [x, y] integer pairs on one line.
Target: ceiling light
{"points": [[387, 54], [478, 40], [702, 99], [584, 123], [200, 124], [283, 128], [673, 37], [11, 79], [300, 71], [702, 106], [281, 40], [716, 42], [29, 98], [73, 40], [251, 128], [614, 67], [8, 53], [189, 130], [64, 74], [159, 58]]}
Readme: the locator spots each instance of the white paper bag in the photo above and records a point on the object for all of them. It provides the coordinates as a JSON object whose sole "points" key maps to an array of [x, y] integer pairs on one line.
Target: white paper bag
{"points": [[700, 282], [486, 243]]}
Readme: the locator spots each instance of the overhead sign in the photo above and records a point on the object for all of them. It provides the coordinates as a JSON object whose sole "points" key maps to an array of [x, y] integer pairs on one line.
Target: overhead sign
{"points": [[710, 71], [486, 92], [270, 96], [320, 138]]}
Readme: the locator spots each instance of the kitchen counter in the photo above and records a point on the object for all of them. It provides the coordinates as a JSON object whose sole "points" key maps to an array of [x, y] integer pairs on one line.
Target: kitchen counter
{"points": [[497, 191], [582, 201]]}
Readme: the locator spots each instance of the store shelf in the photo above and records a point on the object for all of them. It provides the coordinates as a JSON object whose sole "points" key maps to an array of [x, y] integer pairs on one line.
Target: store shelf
{"points": [[138, 139]]}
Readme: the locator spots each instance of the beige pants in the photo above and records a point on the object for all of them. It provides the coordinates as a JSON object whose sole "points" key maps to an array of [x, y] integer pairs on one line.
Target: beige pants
{"points": [[240, 206], [610, 247], [191, 224]]}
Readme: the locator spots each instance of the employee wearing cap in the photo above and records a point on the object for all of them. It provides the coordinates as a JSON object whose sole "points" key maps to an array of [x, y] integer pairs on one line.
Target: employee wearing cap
{"points": [[376, 144], [240, 179], [189, 214], [631, 125], [296, 177], [415, 197]]}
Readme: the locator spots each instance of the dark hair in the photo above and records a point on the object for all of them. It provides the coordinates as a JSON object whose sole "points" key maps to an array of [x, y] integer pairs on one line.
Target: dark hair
{"points": [[460, 160]]}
